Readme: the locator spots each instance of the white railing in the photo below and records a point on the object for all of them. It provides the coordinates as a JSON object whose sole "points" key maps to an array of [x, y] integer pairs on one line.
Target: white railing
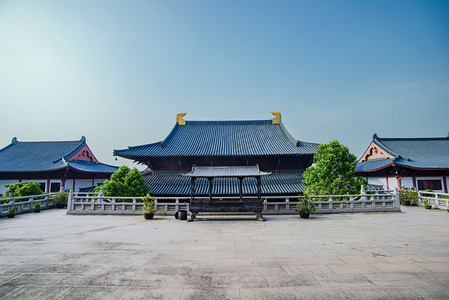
{"points": [[91, 203], [25, 204], [435, 199], [380, 201]]}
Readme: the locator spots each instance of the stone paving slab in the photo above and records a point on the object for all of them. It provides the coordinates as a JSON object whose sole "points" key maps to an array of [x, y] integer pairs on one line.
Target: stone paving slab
{"points": [[53, 255]]}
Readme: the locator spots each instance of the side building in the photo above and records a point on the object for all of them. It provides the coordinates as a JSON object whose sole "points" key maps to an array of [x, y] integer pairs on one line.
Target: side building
{"points": [[54, 165], [265, 143], [420, 163]]}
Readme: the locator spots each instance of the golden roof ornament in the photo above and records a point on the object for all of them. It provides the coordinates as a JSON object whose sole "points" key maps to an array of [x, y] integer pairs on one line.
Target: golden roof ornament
{"points": [[277, 117], [180, 120]]}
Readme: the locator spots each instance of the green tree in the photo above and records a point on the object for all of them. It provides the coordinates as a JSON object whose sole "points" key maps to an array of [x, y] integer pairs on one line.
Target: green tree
{"points": [[21, 189], [125, 182], [332, 172]]}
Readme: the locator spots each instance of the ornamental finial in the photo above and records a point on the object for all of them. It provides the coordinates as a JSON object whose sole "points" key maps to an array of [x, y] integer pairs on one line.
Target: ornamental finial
{"points": [[277, 117], [180, 120]]}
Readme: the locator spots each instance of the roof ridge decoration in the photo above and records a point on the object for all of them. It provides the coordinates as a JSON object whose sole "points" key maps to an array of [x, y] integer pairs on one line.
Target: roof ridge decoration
{"points": [[180, 120], [277, 117]]}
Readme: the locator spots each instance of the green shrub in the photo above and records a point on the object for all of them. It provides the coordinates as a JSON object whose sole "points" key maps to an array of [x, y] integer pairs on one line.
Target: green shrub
{"points": [[149, 205], [408, 196], [427, 195], [60, 199], [305, 206], [13, 210], [332, 172], [125, 182], [21, 189]]}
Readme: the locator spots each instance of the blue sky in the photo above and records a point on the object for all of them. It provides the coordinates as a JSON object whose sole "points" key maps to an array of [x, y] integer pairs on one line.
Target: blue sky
{"points": [[118, 72]]}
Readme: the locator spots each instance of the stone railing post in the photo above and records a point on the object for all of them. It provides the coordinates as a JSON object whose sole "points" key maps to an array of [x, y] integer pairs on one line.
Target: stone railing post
{"points": [[397, 202], [362, 192], [69, 201], [437, 204]]}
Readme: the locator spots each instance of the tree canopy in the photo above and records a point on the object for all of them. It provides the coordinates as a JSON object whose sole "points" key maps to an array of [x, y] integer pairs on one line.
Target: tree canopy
{"points": [[125, 182], [332, 172], [21, 189]]}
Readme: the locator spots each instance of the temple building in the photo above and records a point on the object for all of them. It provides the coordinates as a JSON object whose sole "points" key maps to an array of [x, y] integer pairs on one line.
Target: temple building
{"points": [[263, 143], [420, 163], [54, 165]]}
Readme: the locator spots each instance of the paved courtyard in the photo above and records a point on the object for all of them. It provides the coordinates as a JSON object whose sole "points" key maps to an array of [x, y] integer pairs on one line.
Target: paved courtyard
{"points": [[52, 255]]}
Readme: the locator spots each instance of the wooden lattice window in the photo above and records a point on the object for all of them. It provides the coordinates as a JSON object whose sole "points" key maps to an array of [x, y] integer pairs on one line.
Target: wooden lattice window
{"points": [[432, 184], [55, 187]]}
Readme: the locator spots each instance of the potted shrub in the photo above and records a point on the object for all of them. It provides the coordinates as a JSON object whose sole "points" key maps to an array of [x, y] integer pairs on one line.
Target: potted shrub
{"points": [[12, 212], [427, 204], [408, 196], [149, 207], [37, 207], [60, 199], [305, 207]]}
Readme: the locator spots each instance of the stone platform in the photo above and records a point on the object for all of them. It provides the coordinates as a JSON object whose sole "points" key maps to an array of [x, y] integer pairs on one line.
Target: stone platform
{"points": [[52, 255]]}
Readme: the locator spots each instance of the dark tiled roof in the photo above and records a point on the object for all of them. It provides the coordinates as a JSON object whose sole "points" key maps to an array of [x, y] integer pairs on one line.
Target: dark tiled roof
{"points": [[419, 153], [173, 184], [231, 171], [89, 189], [224, 138], [373, 164], [85, 166], [46, 156]]}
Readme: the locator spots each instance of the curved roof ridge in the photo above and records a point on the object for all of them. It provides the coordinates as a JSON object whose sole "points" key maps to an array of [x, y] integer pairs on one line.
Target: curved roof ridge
{"points": [[134, 147], [171, 134], [16, 141], [413, 139], [82, 142], [378, 142], [230, 122], [287, 133]]}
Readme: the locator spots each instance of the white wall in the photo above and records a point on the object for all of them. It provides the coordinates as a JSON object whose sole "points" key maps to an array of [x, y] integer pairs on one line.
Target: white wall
{"points": [[392, 182], [82, 183], [68, 184], [407, 182], [378, 181]]}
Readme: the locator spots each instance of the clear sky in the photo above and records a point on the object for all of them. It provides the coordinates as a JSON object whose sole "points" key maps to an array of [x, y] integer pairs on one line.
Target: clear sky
{"points": [[118, 72]]}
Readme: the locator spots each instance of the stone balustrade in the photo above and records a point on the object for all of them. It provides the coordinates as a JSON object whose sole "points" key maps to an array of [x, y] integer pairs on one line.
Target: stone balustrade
{"points": [[25, 204], [379, 201]]}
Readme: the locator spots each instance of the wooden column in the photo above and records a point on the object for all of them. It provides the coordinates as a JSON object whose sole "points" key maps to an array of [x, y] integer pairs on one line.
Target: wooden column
{"points": [[259, 190], [210, 188], [240, 187], [192, 189], [398, 178], [445, 184]]}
